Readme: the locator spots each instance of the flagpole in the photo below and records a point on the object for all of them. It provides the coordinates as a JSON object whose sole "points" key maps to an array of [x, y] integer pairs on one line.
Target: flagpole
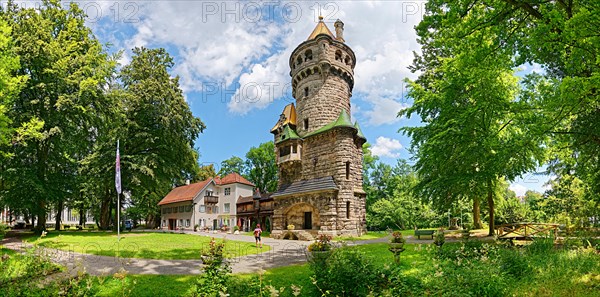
{"points": [[118, 217], [118, 188]]}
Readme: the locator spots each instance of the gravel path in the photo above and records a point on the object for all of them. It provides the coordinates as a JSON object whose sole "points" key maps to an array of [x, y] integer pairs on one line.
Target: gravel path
{"points": [[282, 253]]}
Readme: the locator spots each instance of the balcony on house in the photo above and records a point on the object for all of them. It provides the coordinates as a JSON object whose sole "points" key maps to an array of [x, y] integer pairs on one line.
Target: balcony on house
{"points": [[210, 198]]}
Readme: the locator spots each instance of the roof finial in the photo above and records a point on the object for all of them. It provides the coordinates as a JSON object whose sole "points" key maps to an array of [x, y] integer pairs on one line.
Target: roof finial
{"points": [[320, 18]]}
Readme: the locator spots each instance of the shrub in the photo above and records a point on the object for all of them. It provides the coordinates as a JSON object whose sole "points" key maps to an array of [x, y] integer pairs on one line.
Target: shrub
{"points": [[323, 243], [346, 272], [215, 272], [3, 230], [439, 237], [397, 237], [236, 228]]}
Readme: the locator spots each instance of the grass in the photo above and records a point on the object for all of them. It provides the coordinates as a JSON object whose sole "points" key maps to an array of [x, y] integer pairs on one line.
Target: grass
{"points": [[263, 234], [144, 285], [368, 236], [166, 246], [536, 270]]}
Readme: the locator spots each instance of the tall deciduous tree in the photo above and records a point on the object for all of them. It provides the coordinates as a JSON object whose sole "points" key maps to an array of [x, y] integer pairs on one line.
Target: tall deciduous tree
{"points": [[562, 37], [475, 130], [157, 144], [67, 70], [262, 167], [233, 164]]}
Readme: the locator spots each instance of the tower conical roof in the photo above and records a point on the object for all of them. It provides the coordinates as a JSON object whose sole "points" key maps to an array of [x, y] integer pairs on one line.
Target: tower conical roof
{"points": [[321, 28], [288, 117], [359, 132]]}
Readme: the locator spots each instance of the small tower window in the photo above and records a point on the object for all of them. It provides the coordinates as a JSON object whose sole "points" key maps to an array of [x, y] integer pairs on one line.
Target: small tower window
{"points": [[308, 55], [338, 56], [347, 60], [306, 92], [306, 124], [347, 209], [299, 60], [347, 169]]}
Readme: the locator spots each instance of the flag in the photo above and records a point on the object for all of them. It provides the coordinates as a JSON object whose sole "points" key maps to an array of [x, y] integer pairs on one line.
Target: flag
{"points": [[118, 171]]}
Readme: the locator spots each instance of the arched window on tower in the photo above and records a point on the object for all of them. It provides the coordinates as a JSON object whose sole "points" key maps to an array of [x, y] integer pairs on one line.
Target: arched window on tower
{"points": [[305, 124], [306, 92], [338, 56], [308, 55], [299, 61], [347, 60]]}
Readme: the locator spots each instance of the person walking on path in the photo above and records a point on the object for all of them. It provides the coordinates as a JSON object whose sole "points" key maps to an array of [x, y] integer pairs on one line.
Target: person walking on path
{"points": [[257, 233]]}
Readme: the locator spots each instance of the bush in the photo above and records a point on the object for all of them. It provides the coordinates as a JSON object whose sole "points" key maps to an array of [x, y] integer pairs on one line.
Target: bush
{"points": [[3, 230], [215, 272], [323, 243], [345, 272]]}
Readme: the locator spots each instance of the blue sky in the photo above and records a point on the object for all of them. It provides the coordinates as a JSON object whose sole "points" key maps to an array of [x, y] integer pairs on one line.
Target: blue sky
{"points": [[232, 60]]}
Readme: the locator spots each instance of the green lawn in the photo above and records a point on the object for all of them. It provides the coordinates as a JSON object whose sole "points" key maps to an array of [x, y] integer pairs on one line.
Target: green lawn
{"points": [[532, 271], [370, 235], [167, 246]]}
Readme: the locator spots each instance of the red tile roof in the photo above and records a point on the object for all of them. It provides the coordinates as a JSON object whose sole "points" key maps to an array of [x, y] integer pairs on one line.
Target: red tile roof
{"points": [[184, 193], [232, 178]]}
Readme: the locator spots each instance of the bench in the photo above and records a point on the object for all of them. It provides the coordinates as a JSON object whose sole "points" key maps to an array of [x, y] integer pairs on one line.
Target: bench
{"points": [[418, 233]]}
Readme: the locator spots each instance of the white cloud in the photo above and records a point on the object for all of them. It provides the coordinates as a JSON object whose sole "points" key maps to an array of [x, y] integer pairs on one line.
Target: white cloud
{"points": [[386, 147], [225, 49], [518, 189], [385, 111]]}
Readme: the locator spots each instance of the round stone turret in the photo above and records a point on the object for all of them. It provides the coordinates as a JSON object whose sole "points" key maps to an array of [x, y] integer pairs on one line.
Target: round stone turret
{"points": [[322, 71]]}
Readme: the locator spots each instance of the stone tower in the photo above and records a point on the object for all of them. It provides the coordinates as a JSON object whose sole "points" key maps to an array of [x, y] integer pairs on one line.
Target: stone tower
{"points": [[318, 148]]}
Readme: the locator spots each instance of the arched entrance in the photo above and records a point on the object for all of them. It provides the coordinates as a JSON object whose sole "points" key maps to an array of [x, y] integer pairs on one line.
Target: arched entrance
{"points": [[302, 216]]}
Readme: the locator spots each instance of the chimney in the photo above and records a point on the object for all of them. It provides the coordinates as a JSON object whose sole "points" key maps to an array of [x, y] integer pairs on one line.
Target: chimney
{"points": [[339, 30]]}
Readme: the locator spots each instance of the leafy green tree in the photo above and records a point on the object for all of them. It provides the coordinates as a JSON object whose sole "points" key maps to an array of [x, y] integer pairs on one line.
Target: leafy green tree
{"points": [[262, 167], [67, 70], [9, 84], [233, 164], [159, 130], [475, 130], [558, 35], [205, 172]]}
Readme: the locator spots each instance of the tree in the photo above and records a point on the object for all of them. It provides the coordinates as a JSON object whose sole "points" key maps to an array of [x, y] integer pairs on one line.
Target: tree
{"points": [[475, 130], [67, 70], [205, 172], [558, 35], [391, 202], [262, 167], [159, 130], [233, 164]]}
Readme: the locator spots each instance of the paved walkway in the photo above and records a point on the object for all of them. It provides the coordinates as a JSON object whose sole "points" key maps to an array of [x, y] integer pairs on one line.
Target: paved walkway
{"points": [[282, 253]]}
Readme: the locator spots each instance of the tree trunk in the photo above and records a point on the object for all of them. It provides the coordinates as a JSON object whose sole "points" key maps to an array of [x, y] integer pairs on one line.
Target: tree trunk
{"points": [[82, 217], [41, 223], [105, 211], [490, 199], [476, 214], [59, 210], [152, 221]]}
